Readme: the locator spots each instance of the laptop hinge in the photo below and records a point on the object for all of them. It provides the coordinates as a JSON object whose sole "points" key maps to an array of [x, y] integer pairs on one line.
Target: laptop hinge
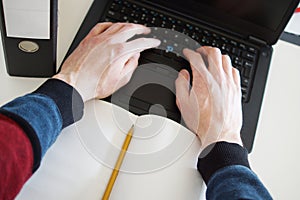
{"points": [[256, 40]]}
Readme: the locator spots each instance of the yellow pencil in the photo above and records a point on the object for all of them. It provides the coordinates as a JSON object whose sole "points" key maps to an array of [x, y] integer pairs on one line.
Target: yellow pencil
{"points": [[115, 172]]}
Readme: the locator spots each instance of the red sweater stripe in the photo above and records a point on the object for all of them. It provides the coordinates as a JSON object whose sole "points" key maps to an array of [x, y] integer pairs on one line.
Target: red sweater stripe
{"points": [[16, 158]]}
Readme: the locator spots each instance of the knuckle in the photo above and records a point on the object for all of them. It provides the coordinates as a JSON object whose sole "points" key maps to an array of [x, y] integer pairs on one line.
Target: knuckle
{"points": [[95, 28], [85, 42], [98, 25], [214, 50], [236, 71], [108, 39], [130, 26], [120, 48], [118, 24], [226, 57]]}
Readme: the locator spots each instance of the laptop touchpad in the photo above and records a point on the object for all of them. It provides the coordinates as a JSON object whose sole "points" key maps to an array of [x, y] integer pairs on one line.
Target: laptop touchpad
{"points": [[150, 91]]}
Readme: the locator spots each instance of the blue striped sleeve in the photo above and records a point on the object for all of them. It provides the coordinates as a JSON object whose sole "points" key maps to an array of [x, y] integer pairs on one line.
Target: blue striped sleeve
{"points": [[236, 182], [226, 171], [44, 113]]}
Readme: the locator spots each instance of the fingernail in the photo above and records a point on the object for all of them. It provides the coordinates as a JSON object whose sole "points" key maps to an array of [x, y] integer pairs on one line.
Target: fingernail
{"points": [[148, 30], [157, 42], [187, 50], [185, 74], [137, 56]]}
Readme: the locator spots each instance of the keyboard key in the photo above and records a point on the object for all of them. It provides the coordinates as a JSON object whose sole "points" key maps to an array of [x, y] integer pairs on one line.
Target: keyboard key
{"points": [[252, 50], [249, 56], [206, 33], [225, 49], [233, 43], [205, 40], [245, 82], [215, 36], [114, 15], [237, 62], [244, 90], [236, 51], [115, 7], [225, 40], [109, 20], [249, 64], [242, 46], [247, 72]]}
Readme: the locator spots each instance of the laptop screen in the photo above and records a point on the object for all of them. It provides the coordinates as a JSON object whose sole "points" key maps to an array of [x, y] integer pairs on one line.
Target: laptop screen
{"points": [[265, 13], [258, 16]]}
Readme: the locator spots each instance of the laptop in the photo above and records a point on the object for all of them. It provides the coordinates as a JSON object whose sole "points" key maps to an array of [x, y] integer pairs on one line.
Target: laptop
{"points": [[243, 29]]}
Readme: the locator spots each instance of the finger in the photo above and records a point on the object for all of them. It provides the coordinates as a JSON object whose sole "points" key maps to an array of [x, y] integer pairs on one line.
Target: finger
{"points": [[125, 51], [114, 28], [227, 67], [182, 85], [199, 69], [98, 29], [236, 76], [128, 31], [131, 65], [140, 45], [128, 70], [213, 57]]}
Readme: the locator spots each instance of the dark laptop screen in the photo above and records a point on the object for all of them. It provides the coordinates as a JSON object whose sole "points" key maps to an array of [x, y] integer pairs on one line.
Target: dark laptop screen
{"points": [[266, 13], [260, 17]]}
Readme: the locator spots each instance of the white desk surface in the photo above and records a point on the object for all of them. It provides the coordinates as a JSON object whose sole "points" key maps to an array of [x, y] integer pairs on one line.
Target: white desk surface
{"points": [[276, 147]]}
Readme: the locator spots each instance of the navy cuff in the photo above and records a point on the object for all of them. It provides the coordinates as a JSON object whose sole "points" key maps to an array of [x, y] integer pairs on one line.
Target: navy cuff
{"points": [[219, 155], [67, 99]]}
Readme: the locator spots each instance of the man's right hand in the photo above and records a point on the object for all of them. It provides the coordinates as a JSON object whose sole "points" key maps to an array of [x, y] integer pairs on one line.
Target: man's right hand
{"points": [[105, 60], [211, 107]]}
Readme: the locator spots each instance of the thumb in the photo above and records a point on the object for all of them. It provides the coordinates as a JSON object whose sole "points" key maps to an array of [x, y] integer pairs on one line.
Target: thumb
{"points": [[182, 86]]}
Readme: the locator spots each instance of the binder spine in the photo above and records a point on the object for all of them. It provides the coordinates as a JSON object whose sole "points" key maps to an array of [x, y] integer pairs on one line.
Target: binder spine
{"points": [[26, 57]]}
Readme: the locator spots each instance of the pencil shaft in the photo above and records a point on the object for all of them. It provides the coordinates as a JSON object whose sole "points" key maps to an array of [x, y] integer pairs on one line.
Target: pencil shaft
{"points": [[117, 167]]}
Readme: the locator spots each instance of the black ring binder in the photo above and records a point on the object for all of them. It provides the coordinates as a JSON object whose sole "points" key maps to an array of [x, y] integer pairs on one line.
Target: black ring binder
{"points": [[39, 62]]}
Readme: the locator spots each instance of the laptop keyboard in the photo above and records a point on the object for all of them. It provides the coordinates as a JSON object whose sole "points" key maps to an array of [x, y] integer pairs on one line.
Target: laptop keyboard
{"points": [[243, 57]]}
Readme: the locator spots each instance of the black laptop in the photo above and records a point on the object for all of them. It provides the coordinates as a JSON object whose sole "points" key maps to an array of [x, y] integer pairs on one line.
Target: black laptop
{"points": [[243, 29]]}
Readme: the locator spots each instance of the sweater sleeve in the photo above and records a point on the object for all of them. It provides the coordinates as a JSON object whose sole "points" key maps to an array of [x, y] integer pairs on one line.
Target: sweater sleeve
{"points": [[39, 117], [16, 158], [226, 171], [44, 113]]}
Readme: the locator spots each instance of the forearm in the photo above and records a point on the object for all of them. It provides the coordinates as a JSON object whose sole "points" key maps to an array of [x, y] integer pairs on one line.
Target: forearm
{"points": [[227, 173], [45, 112], [40, 116]]}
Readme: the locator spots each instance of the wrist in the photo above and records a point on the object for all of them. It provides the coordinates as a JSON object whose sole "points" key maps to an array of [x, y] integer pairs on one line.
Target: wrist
{"points": [[67, 79], [233, 138], [220, 155], [72, 81], [66, 97]]}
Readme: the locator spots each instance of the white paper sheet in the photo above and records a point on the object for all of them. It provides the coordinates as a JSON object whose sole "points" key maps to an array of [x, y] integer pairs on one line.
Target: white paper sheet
{"points": [[294, 24], [27, 18], [79, 164]]}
